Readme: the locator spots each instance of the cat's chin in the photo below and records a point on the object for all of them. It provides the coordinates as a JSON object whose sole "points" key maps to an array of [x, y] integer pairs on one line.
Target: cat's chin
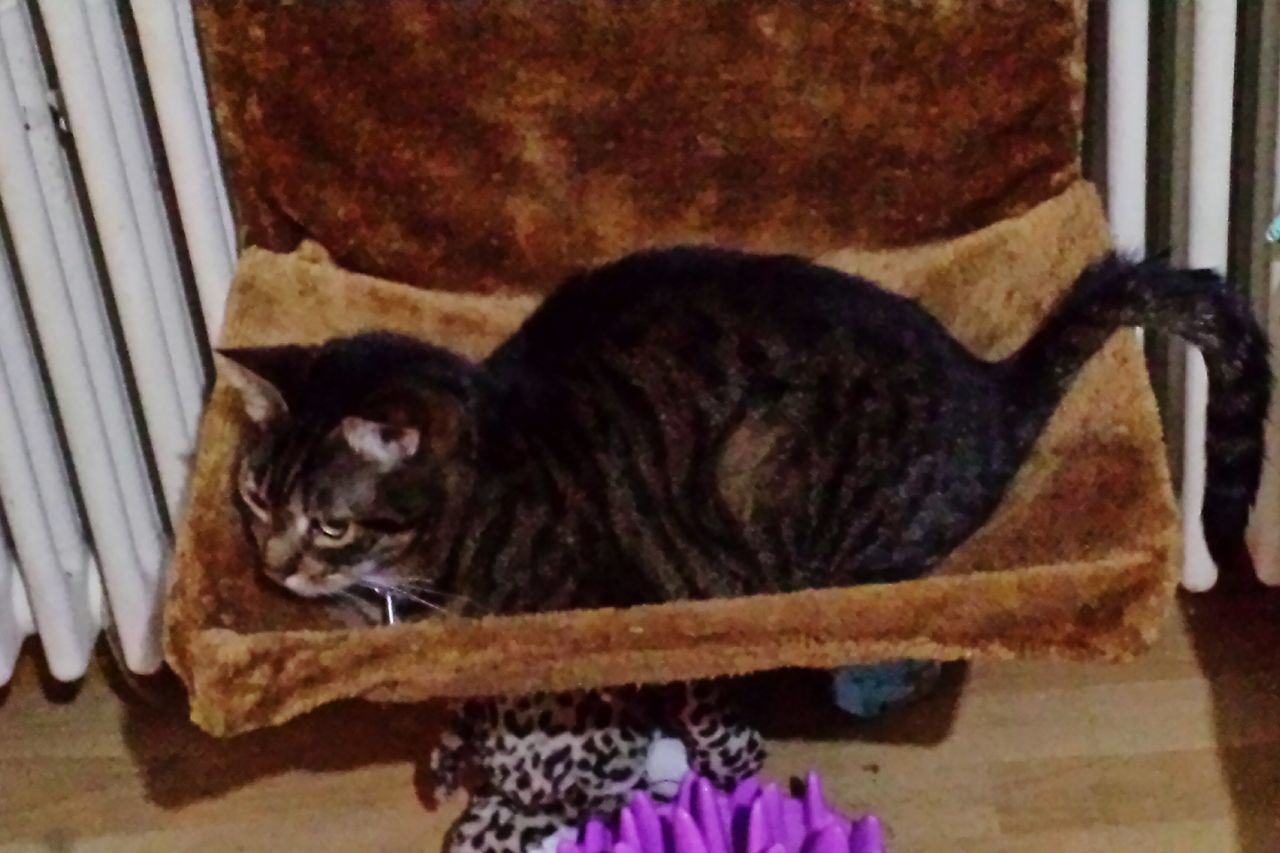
{"points": [[311, 589]]}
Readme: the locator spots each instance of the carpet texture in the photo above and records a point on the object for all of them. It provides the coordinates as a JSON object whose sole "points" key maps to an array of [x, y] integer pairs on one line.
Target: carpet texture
{"points": [[1077, 563], [472, 146]]}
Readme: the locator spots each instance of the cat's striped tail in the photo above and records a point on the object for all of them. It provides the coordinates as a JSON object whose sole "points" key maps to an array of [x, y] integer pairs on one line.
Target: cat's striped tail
{"points": [[1197, 306]]}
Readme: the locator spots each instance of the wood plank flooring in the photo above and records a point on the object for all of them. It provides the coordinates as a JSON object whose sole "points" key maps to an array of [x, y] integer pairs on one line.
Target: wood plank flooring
{"points": [[1177, 752]]}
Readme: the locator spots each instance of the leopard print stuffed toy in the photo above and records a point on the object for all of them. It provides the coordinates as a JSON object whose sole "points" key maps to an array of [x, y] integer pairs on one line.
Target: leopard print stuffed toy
{"points": [[546, 762]]}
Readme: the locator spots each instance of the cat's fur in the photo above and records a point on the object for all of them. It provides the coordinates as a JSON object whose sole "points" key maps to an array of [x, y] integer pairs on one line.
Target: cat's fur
{"points": [[689, 423]]}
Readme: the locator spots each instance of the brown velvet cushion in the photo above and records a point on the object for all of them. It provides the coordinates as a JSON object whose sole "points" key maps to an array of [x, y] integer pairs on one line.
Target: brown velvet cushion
{"points": [[477, 145], [1077, 563]]}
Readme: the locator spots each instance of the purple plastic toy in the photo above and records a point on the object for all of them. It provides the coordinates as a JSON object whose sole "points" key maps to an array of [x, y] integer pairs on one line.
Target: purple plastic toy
{"points": [[754, 818]]}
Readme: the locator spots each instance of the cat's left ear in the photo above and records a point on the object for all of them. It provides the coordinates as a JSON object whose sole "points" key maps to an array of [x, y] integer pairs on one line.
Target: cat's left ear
{"points": [[262, 376], [384, 445]]}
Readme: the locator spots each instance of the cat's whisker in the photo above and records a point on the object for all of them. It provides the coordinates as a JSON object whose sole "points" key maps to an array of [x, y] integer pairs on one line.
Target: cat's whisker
{"points": [[401, 598], [345, 598], [420, 585], [423, 588], [414, 589], [397, 593], [457, 598]]}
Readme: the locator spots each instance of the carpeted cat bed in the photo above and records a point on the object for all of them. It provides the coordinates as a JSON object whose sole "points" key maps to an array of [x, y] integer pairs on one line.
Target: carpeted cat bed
{"points": [[1078, 562], [478, 146]]}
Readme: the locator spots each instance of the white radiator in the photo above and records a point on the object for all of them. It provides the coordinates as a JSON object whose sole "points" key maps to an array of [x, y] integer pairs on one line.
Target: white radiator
{"points": [[76, 322]]}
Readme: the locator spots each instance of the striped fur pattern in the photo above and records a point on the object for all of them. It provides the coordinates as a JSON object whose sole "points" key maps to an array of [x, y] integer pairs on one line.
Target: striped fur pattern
{"points": [[691, 423]]}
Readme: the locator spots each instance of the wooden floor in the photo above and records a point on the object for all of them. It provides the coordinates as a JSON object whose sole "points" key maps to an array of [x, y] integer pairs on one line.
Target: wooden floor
{"points": [[1178, 752]]}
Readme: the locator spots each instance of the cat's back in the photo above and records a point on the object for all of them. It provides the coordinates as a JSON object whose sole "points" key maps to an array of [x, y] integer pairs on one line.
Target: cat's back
{"points": [[703, 292]]}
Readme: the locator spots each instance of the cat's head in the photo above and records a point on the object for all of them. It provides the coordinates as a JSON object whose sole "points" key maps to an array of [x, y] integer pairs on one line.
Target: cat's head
{"points": [[358, 449]]}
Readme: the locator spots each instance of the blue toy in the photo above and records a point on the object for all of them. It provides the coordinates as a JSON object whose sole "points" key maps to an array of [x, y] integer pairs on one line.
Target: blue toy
{"points": [[868, 690]]}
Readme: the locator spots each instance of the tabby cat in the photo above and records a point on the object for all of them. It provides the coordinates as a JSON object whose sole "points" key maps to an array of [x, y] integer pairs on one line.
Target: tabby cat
{"points": [[690, 423]]}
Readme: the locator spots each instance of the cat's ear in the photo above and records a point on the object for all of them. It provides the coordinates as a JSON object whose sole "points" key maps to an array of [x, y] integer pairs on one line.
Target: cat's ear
{"points": [[260, 375], [385, 445], [448, 425]]}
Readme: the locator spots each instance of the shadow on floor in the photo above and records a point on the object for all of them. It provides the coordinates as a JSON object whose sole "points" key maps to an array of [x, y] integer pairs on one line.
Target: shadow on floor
{"points": [[798, 705], [1235, 630], [53, 690], [181, 765]]}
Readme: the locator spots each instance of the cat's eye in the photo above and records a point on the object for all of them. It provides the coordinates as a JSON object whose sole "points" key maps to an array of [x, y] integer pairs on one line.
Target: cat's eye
{"points": [[333, 532]]}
